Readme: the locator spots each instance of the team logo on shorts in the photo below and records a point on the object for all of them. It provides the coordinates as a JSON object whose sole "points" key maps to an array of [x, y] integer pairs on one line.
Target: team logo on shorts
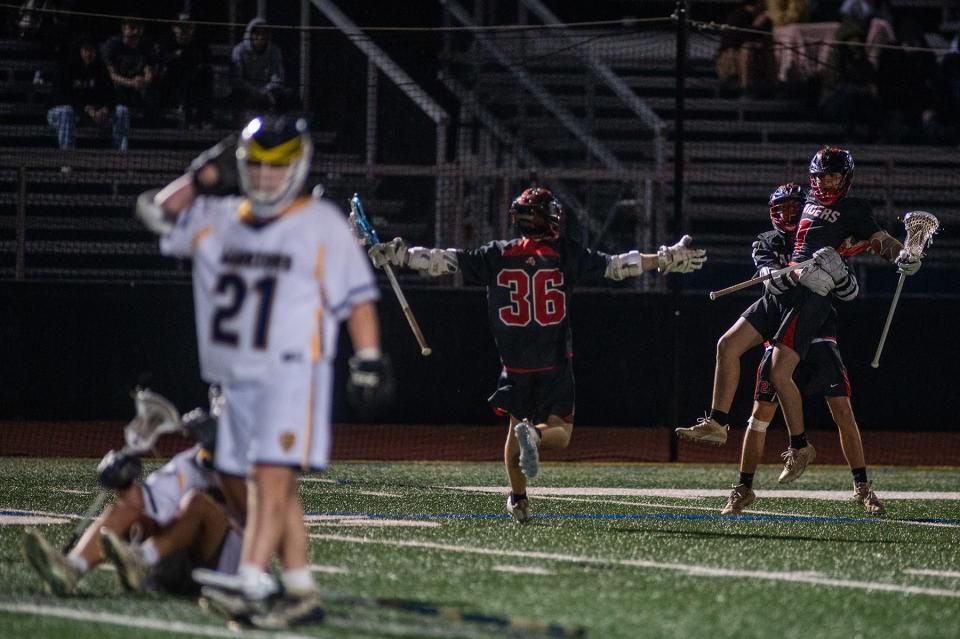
{"points": [[287, 440]]}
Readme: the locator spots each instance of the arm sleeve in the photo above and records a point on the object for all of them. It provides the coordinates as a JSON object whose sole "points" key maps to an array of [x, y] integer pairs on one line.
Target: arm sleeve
{"points": [[847, 287], [584, 263], [347, 277], [768, 259], [478, 265], [864, 224]]}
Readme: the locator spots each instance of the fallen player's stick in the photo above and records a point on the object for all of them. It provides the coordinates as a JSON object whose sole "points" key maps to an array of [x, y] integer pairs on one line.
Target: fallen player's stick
{"points": [[368, 235], [449, 613], [759, 279]]}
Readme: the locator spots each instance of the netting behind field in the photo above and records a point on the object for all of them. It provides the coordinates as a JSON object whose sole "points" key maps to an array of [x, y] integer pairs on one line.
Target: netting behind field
{"points": [[438, 117]]}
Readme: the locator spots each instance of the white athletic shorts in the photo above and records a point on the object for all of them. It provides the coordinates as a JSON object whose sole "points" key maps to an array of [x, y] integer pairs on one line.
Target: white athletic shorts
{"points": [[282, 419]]}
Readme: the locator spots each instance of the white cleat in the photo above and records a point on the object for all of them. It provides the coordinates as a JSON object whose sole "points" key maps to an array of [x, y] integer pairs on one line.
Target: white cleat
{"points": [[795, 461], [127, 559], [706, 431], [529, 448], [740, 497], [59, 576], [520, 511]]}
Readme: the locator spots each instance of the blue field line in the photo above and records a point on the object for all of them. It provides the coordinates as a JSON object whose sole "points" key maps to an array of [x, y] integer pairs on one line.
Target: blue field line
{"points": [[637, 517]]}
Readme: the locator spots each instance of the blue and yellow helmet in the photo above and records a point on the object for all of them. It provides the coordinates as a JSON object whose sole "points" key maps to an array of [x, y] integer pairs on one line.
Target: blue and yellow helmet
{"points": [[277, 142]]}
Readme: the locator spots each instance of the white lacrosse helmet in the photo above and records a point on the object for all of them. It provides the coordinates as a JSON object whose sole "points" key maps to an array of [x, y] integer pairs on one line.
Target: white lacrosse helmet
{"points": [[273, 160]]}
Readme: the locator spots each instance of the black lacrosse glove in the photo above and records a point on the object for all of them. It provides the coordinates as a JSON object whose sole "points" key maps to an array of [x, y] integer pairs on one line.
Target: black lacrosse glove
{"points": [[223, 157], [118, 471], [370, 387]]}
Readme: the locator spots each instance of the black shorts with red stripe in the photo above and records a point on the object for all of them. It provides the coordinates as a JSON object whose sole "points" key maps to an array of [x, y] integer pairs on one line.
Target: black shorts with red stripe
{"points": [[802, 319], [535, 394], [820, 374], [764, 315]]}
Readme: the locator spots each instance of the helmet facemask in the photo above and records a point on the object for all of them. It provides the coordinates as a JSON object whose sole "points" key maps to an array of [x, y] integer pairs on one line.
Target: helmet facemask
{"points": [[273, 164], [537, 214], [831, 174], [785, 207]]}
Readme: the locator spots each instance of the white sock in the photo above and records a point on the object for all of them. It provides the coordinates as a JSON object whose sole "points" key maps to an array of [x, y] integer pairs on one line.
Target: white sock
{"points": [[299, 580], [149, 552], [79, 563], [255, 583]]}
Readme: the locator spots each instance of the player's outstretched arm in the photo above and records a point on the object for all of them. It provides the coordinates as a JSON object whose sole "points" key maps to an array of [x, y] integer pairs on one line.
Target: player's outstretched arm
{"points": [[431, 261], [678, 258], [890, 249]]}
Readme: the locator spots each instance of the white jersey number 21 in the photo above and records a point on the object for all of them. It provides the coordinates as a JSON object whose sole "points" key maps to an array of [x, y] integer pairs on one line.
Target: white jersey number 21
{"points": [[235, 289]]}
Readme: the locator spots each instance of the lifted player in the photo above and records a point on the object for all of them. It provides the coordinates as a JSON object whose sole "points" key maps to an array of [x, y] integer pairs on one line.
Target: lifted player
{"points": [[173, 500], [528, 280]]}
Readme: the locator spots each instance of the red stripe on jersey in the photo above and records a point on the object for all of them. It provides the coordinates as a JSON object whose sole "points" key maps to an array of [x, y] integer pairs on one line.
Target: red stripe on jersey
{"points": [[846, 382], [528, 370], [527, 247]]}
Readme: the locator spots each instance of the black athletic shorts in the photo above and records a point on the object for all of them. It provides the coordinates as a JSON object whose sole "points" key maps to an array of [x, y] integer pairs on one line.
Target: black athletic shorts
{"points": [[803, 318], [821, 373], [764, 315], [536, 395]]}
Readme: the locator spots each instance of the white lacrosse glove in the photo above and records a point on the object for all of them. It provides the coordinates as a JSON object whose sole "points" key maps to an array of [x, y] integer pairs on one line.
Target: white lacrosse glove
{"points": [[906, 263], [393, 253], [816, 279], [830, 261], [679, 258]]}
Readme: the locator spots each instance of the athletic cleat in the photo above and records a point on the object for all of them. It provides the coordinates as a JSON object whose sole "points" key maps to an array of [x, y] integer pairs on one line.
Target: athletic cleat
{"points": [[529, 448], [231, 604], [706, 431], [59, 576], [291, 610], [126, 558], [863, 493], [520, 511], [795, 461], [740, 497]]}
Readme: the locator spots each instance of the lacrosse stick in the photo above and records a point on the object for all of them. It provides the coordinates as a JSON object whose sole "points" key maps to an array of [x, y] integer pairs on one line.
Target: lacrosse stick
{"points": [[759, 279], [368, 236], [921, 227], [155, 416]]}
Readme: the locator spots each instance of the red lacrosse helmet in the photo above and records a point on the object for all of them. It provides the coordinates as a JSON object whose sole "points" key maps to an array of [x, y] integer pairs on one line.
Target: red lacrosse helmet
{"points": [[827, 160], [537, 214], [786, 204]]}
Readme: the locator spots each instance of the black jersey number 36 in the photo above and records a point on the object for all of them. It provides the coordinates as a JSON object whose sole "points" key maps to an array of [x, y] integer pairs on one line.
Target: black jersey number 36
{"points": [[538, 297]]}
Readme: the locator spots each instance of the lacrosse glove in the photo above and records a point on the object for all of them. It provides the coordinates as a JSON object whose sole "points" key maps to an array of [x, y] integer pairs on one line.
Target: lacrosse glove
{"points": [[393, 253], [906, 263], [118, 471], [370, 386], [816, 279], [223, 157], [679, 258]]}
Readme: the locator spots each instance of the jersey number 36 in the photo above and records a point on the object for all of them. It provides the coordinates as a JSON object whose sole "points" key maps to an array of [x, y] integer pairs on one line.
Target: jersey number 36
{"points": [[538, 297]]}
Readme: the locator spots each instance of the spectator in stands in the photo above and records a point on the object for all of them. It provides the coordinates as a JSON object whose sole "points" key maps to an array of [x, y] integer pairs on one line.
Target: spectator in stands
{"points": [[849, 93], [83, 93], [132, 64], [257, 72], [863, 11], [186, 77], [784, 12], [745, 57]]}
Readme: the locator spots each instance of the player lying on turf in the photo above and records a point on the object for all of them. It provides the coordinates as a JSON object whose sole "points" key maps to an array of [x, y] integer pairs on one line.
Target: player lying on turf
{"points": [[171, 512], [528, 280]]}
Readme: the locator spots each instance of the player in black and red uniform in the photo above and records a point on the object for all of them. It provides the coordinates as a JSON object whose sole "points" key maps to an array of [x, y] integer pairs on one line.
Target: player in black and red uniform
{"points": [[829, 218], [529, 281], [821, 372]]}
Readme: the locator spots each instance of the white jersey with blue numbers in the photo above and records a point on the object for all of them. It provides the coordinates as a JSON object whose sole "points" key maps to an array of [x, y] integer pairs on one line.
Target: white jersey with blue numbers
{"points": [[269, 292]]}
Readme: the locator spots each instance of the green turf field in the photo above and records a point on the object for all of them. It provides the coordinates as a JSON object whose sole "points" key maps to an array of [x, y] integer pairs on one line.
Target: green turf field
{"points": [[619, 551]]}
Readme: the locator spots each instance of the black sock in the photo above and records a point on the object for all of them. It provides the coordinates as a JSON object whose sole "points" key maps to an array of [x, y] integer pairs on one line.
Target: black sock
{"points": [[859, 475], [515, 497], [719, 416], [746, 479], [798, 441]]}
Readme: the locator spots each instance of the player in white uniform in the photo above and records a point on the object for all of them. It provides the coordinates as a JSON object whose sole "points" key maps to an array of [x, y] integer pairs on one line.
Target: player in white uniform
{"points": [[275, 272], [174, 496]]}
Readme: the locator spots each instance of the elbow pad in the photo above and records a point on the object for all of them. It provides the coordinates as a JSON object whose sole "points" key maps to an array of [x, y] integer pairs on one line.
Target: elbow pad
{"points": [[779, 284], [432, 261], [847, 287], [623, 266]]}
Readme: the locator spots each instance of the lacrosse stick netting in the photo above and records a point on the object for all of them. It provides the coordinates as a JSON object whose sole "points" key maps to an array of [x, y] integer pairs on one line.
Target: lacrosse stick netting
{"points": [[921, 227]]}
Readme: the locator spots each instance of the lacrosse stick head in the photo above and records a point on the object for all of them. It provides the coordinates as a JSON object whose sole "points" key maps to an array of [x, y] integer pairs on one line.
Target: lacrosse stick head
{"points": [[361, 225], [155, 416], [921, 227]]}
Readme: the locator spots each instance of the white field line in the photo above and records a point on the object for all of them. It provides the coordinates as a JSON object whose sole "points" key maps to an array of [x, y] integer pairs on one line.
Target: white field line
{"points": [[31, 520], [328, 570], [698, 493], [749, 511], [952, 574], [522, 570], [686, 569], [164, 625], [74, 491], [313, 521], [371, 493], [46, 513]]}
